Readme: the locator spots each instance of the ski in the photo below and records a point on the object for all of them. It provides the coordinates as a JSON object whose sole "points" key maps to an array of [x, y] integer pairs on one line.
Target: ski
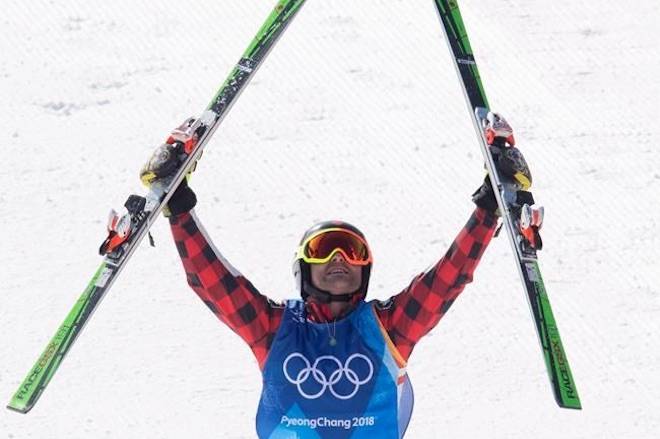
{"points": [[126, 231], [520, 220]]}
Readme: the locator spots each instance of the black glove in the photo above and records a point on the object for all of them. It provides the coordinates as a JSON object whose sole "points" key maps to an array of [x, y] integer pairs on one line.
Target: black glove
{"points": [[484, 197], [183, 200]]}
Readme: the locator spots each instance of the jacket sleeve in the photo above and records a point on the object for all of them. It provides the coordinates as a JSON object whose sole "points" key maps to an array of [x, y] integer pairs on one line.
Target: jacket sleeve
{"points": [[229, 295], [411, 314]]}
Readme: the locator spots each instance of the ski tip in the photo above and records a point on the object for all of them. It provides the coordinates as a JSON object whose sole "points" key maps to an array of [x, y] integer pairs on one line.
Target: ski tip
{"points": [[21, 405], [571, 406], [569, 402], [19, 409]]}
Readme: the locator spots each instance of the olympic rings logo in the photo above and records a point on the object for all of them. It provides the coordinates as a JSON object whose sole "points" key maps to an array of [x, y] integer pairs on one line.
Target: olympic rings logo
{"points": [[324, 381]]}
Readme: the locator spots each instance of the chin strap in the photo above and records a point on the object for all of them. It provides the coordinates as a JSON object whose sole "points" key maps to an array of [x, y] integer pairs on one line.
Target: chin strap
{"points": [[326, 297]]}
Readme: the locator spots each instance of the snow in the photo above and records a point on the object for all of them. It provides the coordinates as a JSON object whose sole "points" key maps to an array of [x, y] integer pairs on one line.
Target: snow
{"points": [[357, 114]]}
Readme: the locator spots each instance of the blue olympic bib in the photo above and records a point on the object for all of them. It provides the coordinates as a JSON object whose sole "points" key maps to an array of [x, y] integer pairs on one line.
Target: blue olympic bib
{"points": [[333, 381]]}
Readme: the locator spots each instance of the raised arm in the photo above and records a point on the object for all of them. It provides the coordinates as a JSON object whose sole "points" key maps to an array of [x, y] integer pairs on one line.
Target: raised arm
{"points": [[230, 296], [411, 314], [227, 293]]}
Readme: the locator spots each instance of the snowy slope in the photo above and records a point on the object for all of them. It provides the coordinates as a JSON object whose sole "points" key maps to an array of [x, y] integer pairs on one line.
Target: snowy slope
{"points": [[357, 114]]}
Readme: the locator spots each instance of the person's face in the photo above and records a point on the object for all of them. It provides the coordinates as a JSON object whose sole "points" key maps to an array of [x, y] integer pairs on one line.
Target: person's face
{"points": [[336, 276]]}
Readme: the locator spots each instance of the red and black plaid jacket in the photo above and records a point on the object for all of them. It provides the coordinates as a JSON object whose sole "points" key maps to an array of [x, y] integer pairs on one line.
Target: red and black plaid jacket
{"points": [[407, 316]]}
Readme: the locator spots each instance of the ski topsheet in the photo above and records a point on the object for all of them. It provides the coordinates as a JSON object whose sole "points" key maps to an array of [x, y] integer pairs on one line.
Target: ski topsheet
{"points": [[561, 379], [143, 211]]}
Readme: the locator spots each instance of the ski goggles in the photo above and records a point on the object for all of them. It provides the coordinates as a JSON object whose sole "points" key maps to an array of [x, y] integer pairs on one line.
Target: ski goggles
{"points": [[320, 247]]}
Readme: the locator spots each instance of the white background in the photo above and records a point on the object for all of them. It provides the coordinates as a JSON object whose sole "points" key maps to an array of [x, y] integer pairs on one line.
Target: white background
{"points": [[357, 114]]}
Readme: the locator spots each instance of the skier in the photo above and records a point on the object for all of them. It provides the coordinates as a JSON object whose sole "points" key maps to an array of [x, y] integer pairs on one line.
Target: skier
{"points": [[333, 364]]}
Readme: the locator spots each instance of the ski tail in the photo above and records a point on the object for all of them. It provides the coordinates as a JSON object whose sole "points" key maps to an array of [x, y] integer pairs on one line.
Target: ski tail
{"points": [[557, 366], [143, 211]]}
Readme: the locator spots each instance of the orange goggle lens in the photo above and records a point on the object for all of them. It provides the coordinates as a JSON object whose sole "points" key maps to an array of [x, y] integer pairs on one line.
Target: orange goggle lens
{"points": [[320, 248]]}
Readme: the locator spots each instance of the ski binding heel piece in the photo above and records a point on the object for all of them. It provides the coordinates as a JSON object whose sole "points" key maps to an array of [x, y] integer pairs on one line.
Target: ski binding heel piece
{"points": [[186, 134], [497, 130]]}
